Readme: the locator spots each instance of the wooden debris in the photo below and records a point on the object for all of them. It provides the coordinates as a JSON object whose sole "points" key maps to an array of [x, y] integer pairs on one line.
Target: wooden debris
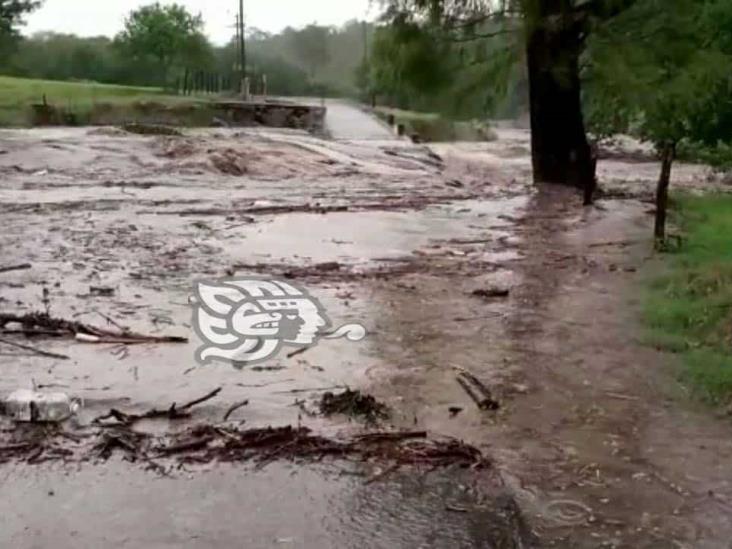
{"points": [[489, 293], [101, 291], [41, 323], [21, 267], [353, 404], [234, 408], [210, 443], [454, 410], [150, 129], [477, 391], [172, 413], [33, 349]]}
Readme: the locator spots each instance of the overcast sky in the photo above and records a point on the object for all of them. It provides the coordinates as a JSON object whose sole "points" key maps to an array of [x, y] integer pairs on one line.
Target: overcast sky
{"points": [[95, 17]]}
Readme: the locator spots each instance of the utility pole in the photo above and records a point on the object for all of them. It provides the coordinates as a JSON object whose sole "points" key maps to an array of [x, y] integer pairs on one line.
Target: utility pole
{"points": [[242, 43], [237, 66]]}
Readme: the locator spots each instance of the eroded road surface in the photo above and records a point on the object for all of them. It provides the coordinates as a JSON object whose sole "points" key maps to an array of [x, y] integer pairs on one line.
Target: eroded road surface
{"points": [[594, 444]]}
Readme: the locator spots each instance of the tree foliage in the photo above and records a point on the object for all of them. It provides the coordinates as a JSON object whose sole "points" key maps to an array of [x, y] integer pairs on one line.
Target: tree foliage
{"points": [[167, 34], [58, 56], [426, 67], [12, 12], [658, 71], [310, 46], [11, 17], [662, 71]]}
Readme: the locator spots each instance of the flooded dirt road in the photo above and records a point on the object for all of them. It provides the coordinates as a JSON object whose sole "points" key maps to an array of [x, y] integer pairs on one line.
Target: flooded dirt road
{"points": [[594, 444]]}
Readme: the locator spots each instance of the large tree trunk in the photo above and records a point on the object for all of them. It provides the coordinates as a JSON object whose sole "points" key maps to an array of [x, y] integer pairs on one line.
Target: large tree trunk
{"points": [[668, 153], [560, 151]]}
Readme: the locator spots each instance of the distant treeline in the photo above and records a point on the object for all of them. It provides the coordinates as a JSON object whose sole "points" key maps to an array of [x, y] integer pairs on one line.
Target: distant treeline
{"points": [[390, 64], [314, 60]]}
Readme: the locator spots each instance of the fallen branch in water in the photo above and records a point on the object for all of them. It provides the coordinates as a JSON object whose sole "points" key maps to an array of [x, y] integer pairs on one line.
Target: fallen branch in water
{"points": [[477, 391], [171, 413], [234, 408], [35, 324], [33, 349], [20, 267]]}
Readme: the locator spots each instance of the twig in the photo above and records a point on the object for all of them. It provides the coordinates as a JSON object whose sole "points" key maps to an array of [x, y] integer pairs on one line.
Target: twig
{"points": [[193, 403], [171, 413], [294, 391], [109, 319], [484, 403], [620, 396], [33, 349], [381, 474], [259, 385], [131, 339], [234, 408], [472, 318], [20, 267], [490, 402], [390, 437], [299, 351], [83, 332]]}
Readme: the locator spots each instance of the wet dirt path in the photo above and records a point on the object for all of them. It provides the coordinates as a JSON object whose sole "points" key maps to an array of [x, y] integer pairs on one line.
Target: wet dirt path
{"points": [[593, 439], [600, 444]]}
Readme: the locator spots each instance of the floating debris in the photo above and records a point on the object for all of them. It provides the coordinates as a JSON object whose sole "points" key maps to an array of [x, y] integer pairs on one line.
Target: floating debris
{"points": [[43, 324], [150, 129], [489, 293], [477, 391], [353, 404]]}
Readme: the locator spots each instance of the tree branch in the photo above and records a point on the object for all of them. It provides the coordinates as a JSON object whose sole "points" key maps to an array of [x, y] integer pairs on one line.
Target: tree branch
{"points": [[602, 9], [486, 17], [474, 37]]}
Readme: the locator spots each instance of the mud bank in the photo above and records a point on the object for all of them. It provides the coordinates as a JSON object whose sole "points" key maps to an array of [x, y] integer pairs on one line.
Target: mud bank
{"points": [[275, 114]]}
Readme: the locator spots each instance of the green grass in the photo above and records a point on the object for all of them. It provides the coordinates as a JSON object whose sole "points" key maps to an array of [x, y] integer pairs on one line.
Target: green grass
{"points": [[17, 95], [689, 307], [433, 127]]}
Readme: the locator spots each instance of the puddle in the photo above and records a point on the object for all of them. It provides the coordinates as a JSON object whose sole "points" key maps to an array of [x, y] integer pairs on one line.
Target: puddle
{"points": [[362, 236], [114, 505]]}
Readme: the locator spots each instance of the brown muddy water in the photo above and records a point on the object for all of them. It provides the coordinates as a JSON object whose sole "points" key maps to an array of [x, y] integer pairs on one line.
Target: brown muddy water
{"points": [[578, 446]]}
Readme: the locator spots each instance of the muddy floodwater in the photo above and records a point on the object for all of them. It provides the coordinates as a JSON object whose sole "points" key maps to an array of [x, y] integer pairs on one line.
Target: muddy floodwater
{"points": [[594, 444]]}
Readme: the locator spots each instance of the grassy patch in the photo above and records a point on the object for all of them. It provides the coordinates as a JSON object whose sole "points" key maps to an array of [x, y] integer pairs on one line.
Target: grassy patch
{"points": [[432, 127], [689, 307], [81, 99]]}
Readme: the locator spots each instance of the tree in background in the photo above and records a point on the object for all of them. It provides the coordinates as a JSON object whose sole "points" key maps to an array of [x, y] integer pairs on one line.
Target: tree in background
{"points": [[407, 64], [11, 17], [660, 71], [12, 12], [419, 67], [169, 36], [283, 77], [61, 56], [310, 46], [553, 35], [54, 56]]}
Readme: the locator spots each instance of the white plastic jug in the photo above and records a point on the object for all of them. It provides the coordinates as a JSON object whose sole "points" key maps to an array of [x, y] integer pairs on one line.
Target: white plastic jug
{"points": [[33, 406]]}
